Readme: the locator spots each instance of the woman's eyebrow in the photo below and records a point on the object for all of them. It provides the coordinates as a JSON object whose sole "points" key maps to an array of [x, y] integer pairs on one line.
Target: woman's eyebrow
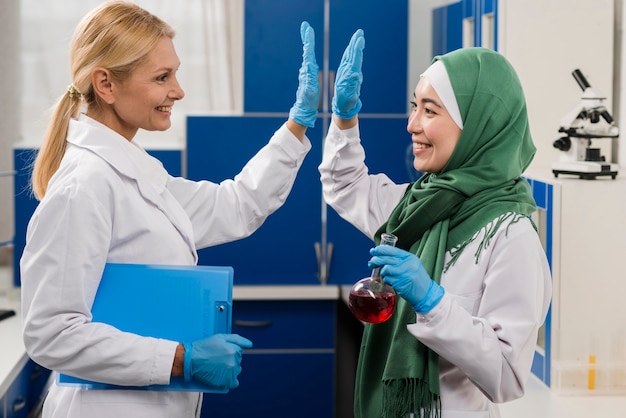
{"points": [[432, 101]]}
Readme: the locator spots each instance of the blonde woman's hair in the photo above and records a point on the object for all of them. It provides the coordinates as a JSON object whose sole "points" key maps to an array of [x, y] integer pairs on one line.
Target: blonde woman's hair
{"points": [[117, 35]]}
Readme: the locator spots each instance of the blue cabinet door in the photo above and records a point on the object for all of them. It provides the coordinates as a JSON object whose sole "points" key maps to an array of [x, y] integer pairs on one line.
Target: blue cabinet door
{"points": [[447, 32], [16, 397], [273, 50], [278, 385], [282, 249], [24, 203], [385, 57], [290, 370], [448, 21]]}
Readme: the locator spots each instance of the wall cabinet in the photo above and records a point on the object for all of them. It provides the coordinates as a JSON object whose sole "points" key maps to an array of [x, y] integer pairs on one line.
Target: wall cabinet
{"points": [[273, 51], [582, 349]]}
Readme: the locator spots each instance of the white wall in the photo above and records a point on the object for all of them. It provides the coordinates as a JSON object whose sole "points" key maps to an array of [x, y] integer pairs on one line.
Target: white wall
{"points": [[545, 41], [10, 108]]}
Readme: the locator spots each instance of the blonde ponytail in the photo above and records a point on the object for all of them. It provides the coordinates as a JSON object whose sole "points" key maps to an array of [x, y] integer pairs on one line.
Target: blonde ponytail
{"points": [[54, 144]]}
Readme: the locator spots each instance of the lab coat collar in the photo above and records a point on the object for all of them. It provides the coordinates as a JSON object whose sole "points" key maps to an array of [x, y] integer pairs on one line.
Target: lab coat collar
{"points": [[127, 157]]}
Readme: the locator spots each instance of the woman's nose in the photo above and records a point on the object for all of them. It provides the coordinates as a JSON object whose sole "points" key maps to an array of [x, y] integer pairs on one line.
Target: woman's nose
{"points": [[413, 124], [177, 91]]}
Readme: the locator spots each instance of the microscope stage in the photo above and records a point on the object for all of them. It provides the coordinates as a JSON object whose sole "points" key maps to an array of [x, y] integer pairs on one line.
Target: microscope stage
{"points": [[587, 170]]}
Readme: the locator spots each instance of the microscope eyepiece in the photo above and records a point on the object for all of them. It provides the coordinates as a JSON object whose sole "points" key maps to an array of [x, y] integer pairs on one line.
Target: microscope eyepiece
{"points": [[580, 79], [563, 143], [607, 116]]}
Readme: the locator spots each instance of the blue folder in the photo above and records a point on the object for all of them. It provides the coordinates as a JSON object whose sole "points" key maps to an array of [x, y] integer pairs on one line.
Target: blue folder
{"points": [[179, 303]]}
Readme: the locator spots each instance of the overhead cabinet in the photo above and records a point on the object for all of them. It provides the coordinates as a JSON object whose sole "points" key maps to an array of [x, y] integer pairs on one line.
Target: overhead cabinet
{"points": [[273, 51]]}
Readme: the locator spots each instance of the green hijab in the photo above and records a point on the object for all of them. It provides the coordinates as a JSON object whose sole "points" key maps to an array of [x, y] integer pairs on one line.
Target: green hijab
{"points": [[444, 212]]}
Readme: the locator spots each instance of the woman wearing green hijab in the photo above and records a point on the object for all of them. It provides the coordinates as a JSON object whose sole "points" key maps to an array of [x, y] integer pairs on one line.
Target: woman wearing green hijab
{"points": [[473, 277]]}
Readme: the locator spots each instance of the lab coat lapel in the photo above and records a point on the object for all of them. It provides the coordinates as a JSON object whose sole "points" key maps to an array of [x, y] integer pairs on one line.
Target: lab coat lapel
{"points": [[132, 161]]}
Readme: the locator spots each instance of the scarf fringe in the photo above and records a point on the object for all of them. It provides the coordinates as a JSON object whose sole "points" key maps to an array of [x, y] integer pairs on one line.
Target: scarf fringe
{"points": [[489, 232], [403, 396]]}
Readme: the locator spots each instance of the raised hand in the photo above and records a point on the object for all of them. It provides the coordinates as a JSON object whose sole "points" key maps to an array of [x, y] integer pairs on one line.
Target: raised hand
{"points": [[346, 102], [304, 110]]}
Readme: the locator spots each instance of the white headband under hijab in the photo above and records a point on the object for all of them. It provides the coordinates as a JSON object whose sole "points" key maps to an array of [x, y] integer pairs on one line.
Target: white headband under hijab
{"points": [[437, 76]]}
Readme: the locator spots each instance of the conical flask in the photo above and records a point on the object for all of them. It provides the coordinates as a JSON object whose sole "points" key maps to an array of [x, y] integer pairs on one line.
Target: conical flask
{"points": [[371, 300]]}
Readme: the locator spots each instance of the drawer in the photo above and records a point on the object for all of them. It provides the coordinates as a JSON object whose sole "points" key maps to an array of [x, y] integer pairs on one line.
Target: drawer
{"points": [[38, 381], [278, 386], [291, 324], [15, 398]]}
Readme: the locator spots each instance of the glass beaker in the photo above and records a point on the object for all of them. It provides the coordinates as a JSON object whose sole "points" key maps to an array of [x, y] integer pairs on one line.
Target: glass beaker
{"points": [[372, 300]]}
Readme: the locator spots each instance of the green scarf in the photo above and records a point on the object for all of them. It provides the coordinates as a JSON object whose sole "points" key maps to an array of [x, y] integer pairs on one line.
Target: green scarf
{"points": [[444, 212]]}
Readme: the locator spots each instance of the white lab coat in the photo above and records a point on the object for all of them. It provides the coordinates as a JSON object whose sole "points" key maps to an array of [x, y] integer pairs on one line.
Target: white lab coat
{"points": [[112, 202], [485, 327]]}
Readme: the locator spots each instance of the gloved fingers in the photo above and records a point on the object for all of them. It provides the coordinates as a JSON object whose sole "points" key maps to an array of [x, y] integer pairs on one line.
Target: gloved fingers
{"points": [[304, 110], [307, 34], [304, 27], [394, 261], [384, 261], [352, 58], [388, 250], [238, 340]]}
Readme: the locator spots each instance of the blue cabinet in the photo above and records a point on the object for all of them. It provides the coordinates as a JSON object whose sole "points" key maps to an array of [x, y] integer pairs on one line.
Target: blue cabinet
{"points": [[24, 203], [466, 23], [273, 50], [25, 392], [15, 398], [385, 57], [545, 218], [447, 29], [282, 250], [290, 370]]}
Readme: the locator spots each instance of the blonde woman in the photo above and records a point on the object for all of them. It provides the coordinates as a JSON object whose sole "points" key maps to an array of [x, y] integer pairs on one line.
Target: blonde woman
{"points": [[104, 199]]}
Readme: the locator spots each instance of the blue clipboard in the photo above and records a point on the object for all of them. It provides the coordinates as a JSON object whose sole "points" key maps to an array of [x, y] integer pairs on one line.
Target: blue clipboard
{"points": [[179, 303]]}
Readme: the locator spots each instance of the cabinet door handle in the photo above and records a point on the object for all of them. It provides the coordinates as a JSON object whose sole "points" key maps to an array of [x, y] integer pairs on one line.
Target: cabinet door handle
{"points": [[19, 403], [331, 87], [253, 324], [36, 374], [320, 82]]}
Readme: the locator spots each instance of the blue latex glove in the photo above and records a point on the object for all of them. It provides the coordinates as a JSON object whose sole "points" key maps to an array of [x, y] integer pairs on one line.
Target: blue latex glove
{"points": [[406, 274], [346, 102], [215, 360], [304, 110]]}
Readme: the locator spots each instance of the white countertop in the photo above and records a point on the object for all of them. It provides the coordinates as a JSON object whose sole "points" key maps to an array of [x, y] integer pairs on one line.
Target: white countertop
{"points": [[13, 354]]}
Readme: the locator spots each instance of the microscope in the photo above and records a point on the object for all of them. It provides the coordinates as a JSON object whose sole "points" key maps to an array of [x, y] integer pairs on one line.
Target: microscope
{"points": [[587, 122]]}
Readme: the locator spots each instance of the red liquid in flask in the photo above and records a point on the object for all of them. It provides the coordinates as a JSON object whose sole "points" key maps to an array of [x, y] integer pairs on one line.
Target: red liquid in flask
{"points": [[372, 307]]}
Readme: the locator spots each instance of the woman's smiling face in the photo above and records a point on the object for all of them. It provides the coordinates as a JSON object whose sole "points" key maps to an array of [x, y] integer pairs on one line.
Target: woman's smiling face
{"points": [[433, 131], [144, 100]]}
